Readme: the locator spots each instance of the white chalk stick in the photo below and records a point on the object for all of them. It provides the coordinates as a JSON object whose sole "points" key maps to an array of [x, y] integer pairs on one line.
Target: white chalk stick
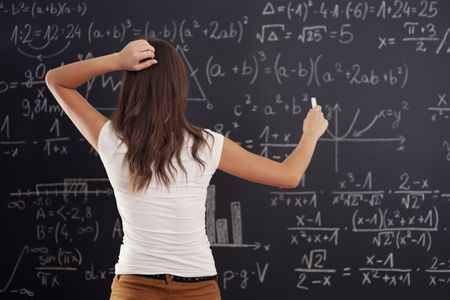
{"points": [[313, 102]]}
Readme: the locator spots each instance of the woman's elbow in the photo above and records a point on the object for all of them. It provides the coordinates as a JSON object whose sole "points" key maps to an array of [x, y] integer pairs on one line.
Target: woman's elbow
{"points": [[49, 78], [292, 182]]}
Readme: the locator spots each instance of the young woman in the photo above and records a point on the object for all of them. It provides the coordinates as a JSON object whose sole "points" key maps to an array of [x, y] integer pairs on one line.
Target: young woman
{"points": [[159, 165]]}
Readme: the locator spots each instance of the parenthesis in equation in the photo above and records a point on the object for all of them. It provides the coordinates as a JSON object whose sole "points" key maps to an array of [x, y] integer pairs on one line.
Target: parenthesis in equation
{"points": [[56, 233], [241, 31], [90, 31], [277, 75], [59, 256], [208, 77], [80, 258], [429, 240], [289, 10], [83, 9], [33, 9], [397, 239], [406, 75], [181, 31], [347, 10], [255, 75], [5, 86], [316, 68], [174, 31], [96, 231], [383, 218], [313, 70], [366, 10], [436, 215], [305, 15], [123, 32], [354, 219]]}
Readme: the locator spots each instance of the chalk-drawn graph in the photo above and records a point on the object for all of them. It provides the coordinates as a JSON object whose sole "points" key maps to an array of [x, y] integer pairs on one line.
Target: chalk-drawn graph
{"points": [[217, 230], [333, 135]]}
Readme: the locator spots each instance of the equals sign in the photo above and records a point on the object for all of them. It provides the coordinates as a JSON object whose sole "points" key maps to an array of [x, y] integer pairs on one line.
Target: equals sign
{"points": [[267, 70], [249, 144], [281, 8], [13, 85], [391, 41], [38, 32], [333, 34], [346, 272], [136, 31], [287, 35], [371, 9]]}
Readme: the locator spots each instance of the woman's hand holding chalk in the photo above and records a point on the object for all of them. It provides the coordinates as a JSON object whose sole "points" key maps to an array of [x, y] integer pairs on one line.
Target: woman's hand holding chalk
{"points": [[313, 102]]}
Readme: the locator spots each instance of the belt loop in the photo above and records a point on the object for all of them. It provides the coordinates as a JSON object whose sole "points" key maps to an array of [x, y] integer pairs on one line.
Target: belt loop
{"points": [[169, 278], [118, 276]]}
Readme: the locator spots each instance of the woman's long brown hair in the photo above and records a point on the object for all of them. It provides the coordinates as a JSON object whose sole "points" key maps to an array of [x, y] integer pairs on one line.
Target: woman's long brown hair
{"points": [[150, 118]]}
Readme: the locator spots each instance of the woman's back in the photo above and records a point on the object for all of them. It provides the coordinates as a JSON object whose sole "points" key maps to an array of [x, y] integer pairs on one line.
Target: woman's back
{"points": [[164, 224], [164, 227]]}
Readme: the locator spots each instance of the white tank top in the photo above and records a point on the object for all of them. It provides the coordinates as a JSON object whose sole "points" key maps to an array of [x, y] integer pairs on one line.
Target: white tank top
{"points": [[164, 229]]}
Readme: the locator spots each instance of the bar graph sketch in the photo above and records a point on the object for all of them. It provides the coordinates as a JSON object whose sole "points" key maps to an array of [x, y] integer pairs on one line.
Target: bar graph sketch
{"points": [[218, 231]]}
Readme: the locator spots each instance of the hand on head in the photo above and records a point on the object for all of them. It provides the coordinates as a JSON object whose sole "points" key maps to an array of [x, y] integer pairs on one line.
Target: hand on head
{"points": [[137, 55]]}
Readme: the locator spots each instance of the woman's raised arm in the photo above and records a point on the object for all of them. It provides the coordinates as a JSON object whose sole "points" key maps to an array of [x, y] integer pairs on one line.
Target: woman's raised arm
{"points": [[63, 82], [244, 164]]}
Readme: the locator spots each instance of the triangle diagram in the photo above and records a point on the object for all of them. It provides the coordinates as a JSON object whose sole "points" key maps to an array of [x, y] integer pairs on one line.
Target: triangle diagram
{"points": [[268, 10], [195, 89], [272, 36]]}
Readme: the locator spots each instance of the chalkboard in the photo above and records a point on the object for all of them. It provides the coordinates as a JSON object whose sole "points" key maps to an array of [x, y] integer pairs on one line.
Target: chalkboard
{"points": [[370, 219]]}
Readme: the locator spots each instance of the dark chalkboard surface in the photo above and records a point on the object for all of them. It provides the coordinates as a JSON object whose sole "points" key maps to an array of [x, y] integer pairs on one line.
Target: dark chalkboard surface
{"points": [[370, 220]]}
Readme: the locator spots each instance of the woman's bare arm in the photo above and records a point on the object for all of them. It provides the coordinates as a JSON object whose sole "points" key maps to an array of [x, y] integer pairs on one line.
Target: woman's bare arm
{"points": [[64, 81], [239, 162]]}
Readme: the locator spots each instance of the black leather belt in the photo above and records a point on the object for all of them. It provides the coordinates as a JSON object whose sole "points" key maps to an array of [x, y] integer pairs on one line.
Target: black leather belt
{"points": [[179, 278]]}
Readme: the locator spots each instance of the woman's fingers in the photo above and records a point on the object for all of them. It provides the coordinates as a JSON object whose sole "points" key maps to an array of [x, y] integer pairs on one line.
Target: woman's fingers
{"points": [[145, 64], [144, 55], [146, 47], [143, 45], [138, 55]]}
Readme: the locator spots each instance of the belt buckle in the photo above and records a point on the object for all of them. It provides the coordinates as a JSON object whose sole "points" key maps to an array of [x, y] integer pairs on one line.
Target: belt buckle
{"points": [[169, 279]]}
